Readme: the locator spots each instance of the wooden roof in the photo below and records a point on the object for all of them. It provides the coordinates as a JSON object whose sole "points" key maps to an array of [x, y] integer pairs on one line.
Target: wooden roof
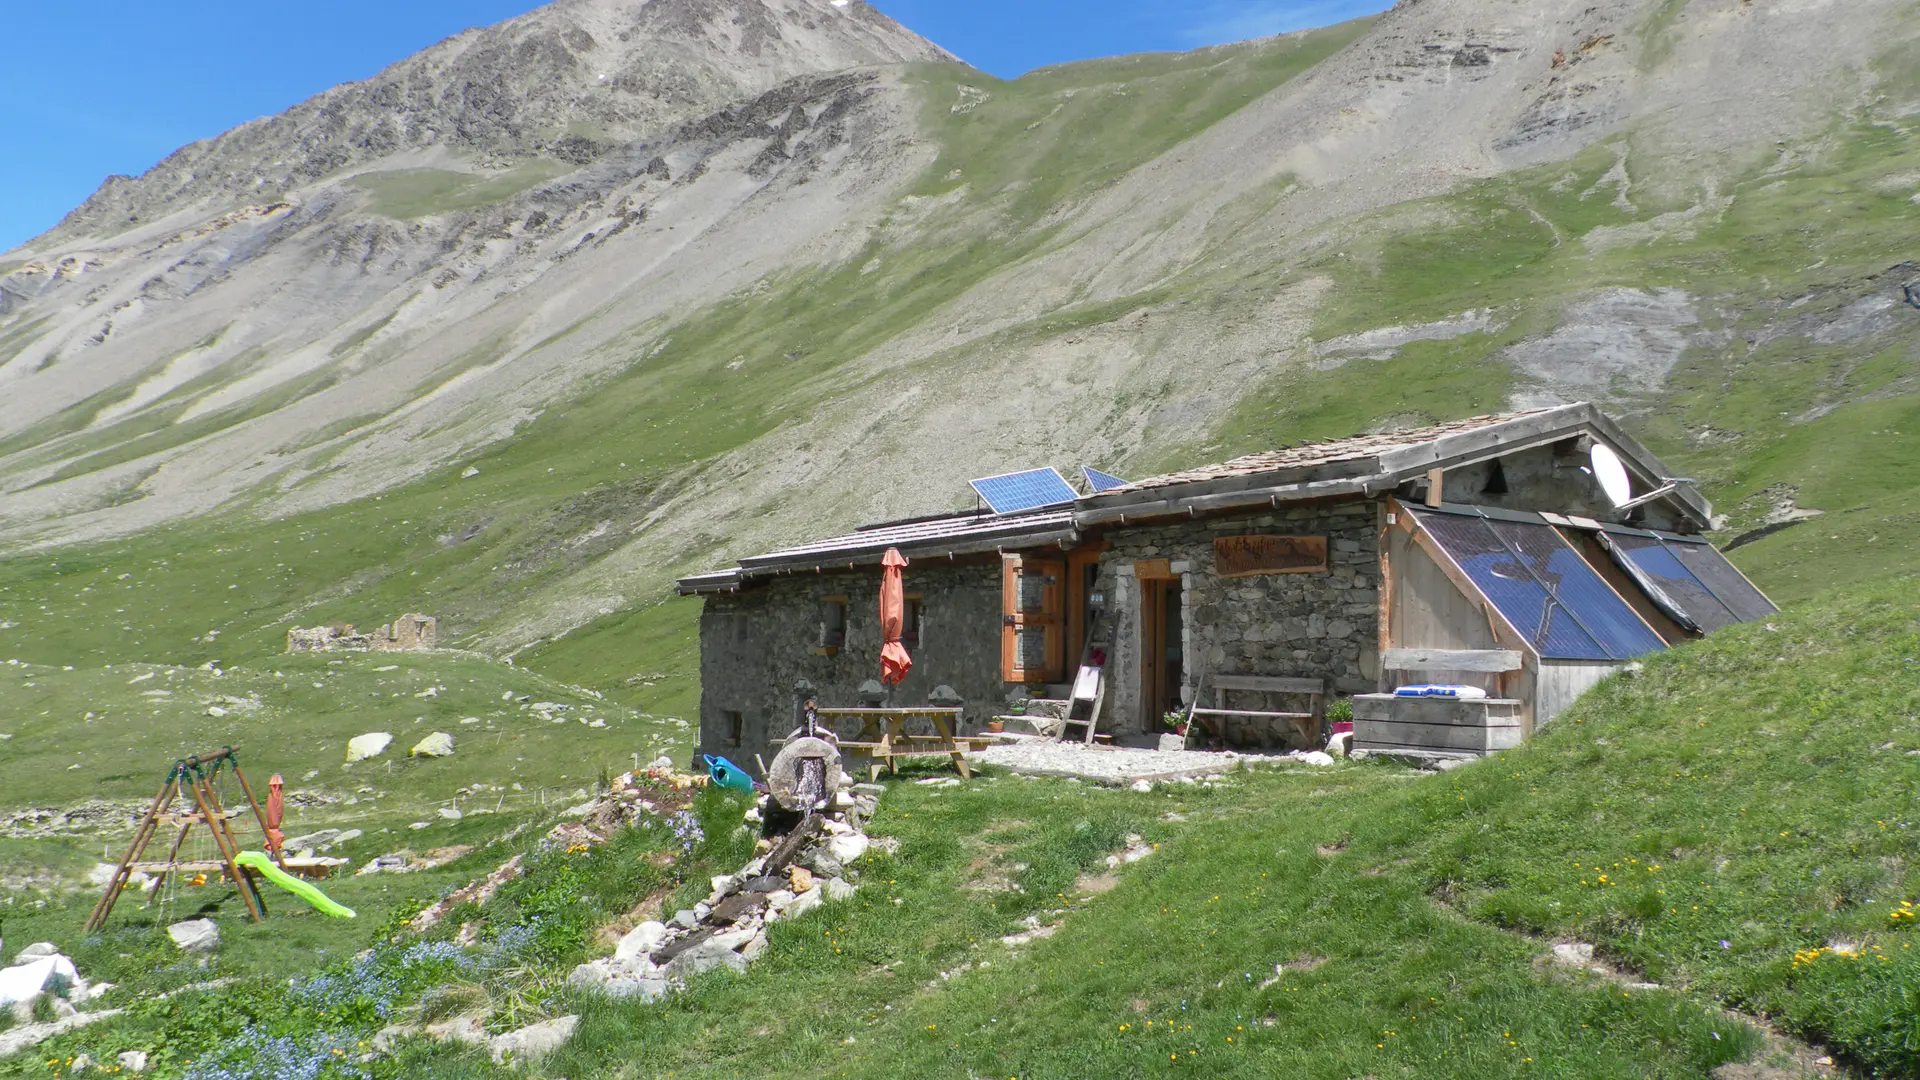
{"points": [[1364, 466]]}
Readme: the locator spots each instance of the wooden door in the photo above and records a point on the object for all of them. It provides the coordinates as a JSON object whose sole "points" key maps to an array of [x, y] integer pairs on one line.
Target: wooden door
{"points": [[1162, 666], [1033, 608]]}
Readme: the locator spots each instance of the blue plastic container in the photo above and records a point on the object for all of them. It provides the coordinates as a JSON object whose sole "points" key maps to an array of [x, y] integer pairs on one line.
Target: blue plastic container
{"points": [[728, 775]]}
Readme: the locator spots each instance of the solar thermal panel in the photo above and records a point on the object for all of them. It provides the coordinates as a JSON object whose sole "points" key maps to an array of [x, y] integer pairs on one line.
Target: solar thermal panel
{"points": [[1544, 588], [1728, 584], [1652, 557], [1098, 481], [1034, 489]]}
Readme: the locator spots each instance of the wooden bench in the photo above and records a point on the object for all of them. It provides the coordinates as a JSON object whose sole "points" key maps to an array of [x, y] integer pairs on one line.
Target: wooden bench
{"points": [[1305, 724]]}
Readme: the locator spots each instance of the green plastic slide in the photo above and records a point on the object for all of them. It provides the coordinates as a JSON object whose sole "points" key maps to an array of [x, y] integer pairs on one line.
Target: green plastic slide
{"points": [[258, 860]]}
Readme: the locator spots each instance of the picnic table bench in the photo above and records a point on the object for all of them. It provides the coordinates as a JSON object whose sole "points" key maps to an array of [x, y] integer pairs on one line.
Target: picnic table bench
{"points": [[884, 738]]}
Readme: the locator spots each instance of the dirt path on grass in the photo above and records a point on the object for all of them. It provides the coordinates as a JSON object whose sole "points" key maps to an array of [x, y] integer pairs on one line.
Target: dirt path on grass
{"points": [[1783, 1056]]}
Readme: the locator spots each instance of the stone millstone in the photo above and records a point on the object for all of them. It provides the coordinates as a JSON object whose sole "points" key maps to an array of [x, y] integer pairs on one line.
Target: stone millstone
{"points": [[787, 777]]}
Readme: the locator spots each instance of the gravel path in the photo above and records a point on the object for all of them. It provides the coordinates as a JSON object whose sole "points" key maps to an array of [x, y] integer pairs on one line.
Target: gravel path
{"points": [[1107, 765]]}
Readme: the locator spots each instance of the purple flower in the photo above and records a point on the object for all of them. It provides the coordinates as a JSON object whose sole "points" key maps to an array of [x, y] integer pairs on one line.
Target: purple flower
{"points": [[1725, 944]]}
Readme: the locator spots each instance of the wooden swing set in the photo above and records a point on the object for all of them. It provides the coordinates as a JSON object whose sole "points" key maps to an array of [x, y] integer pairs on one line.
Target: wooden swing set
{"points": [[191, 776]]}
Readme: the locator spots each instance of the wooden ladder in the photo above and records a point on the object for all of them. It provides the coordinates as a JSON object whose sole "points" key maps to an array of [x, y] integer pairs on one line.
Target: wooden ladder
{"points": [[1084, 708]]}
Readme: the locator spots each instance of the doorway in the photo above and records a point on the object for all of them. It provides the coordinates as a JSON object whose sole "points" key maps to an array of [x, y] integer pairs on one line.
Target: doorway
{"points": [[1163, 666]]}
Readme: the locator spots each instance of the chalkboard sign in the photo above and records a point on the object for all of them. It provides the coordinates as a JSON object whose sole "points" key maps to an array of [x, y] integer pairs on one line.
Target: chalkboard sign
{"points": [[1251, 556]]}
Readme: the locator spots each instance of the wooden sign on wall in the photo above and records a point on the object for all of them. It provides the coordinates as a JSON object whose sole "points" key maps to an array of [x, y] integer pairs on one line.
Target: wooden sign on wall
{"points": [[1251, 556]]}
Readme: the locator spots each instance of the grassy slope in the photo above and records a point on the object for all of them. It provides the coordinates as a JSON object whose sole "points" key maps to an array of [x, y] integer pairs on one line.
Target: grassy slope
{"points": [[1720, 823], [1795, 243]]}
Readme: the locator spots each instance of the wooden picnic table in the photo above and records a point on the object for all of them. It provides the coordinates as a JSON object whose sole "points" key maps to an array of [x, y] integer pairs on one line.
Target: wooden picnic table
{"points": [[884, 737]]}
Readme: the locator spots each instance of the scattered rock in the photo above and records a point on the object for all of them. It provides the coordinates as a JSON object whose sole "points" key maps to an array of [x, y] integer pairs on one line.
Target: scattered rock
{"points": [[704, 957], [438, 744], [803, 903], [370, 745], [801, 878], [134, 1061], [451, 813], [469, 1029], [195, 935], [837, 889], [534, 1041], [641, 940], [39, 950], [849, 848], [24, 1036], [1573, 954]]}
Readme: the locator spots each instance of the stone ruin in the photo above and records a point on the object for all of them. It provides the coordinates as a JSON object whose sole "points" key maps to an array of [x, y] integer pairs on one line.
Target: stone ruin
{"points": [[408, 633]]}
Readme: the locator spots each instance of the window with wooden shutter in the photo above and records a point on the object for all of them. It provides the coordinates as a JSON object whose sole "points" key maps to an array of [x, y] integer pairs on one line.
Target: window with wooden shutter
{"points": [[1032, 641], [833, 625]]}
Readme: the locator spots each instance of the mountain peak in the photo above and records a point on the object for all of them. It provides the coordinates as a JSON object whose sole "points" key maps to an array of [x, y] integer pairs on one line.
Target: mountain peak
{"points": [[565, 82]]}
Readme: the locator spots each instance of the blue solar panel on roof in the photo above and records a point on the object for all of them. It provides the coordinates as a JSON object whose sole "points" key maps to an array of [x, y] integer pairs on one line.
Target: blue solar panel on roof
{"points": [[1544, 588], [1654, 559], [1030, 490], [1726, 582], [1098, 481]]}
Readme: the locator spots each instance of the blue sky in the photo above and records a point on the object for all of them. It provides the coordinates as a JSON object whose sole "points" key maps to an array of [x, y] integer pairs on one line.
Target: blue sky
{"points": [[112, 87]]}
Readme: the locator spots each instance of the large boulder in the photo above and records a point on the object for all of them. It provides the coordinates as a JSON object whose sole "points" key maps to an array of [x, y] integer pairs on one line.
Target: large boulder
{"points": [[372, 744], [42, 975], [438, 744], [195, 935]]}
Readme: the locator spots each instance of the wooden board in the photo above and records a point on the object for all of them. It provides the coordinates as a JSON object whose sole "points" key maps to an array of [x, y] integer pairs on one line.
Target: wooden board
{"points": [[1253, 556], [1405, 735], [1563, 681], [1386, 722], [1268, 684], [1483, 660]]}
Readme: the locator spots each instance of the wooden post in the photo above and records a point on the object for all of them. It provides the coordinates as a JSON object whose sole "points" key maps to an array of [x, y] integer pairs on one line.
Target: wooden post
{"points": [[224, 827], [1436, 479], [201, 790], [259, 815], [144, 834]]}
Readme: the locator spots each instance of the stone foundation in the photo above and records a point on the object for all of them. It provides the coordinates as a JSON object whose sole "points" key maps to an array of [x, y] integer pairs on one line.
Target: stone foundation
{"points": [[408, 633]]}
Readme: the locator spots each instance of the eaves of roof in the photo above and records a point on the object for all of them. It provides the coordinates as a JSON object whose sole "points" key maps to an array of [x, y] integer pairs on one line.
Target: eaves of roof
{"points": [[1370, 465], [942, 537]]}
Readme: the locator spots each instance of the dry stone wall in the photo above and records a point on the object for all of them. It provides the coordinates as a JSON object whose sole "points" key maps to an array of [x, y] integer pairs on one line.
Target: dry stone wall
{"points": [[755, 645], [1321, 624], [408, 633]]}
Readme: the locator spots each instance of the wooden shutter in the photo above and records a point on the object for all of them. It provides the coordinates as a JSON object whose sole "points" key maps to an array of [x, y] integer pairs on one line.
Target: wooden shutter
{"points": [[1033, 635]]}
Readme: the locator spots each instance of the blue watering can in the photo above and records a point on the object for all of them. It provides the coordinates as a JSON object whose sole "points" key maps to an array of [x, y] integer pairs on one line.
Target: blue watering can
{"points": [[728, 775]]}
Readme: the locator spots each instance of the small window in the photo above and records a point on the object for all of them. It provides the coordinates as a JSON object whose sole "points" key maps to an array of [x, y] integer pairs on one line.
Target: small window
{"points": [[736, 727], [1496, 479], [910, 624], [833, 624]]}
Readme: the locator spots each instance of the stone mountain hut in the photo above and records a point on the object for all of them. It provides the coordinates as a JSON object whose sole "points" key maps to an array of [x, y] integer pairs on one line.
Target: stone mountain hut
{"points": [[1526, 556]]}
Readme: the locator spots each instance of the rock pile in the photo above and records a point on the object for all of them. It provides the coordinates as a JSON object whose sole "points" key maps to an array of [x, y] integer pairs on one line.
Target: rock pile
{"points": [[805, 860]]}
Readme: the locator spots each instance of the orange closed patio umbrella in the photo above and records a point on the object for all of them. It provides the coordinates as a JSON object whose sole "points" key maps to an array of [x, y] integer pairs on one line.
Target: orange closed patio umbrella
{"points": [[894, 661], [276, 810]]}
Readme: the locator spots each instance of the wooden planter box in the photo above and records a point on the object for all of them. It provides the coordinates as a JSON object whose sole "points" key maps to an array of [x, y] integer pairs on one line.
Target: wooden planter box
{"points": [[1385, 723]]}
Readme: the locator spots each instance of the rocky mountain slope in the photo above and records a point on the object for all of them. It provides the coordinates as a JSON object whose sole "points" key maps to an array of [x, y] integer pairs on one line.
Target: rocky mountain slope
{"points": [[524, 369], [557, 87]]}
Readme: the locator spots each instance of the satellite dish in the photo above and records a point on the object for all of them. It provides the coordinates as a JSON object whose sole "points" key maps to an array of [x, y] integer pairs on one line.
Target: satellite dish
{"points": [[1612, 474]]}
